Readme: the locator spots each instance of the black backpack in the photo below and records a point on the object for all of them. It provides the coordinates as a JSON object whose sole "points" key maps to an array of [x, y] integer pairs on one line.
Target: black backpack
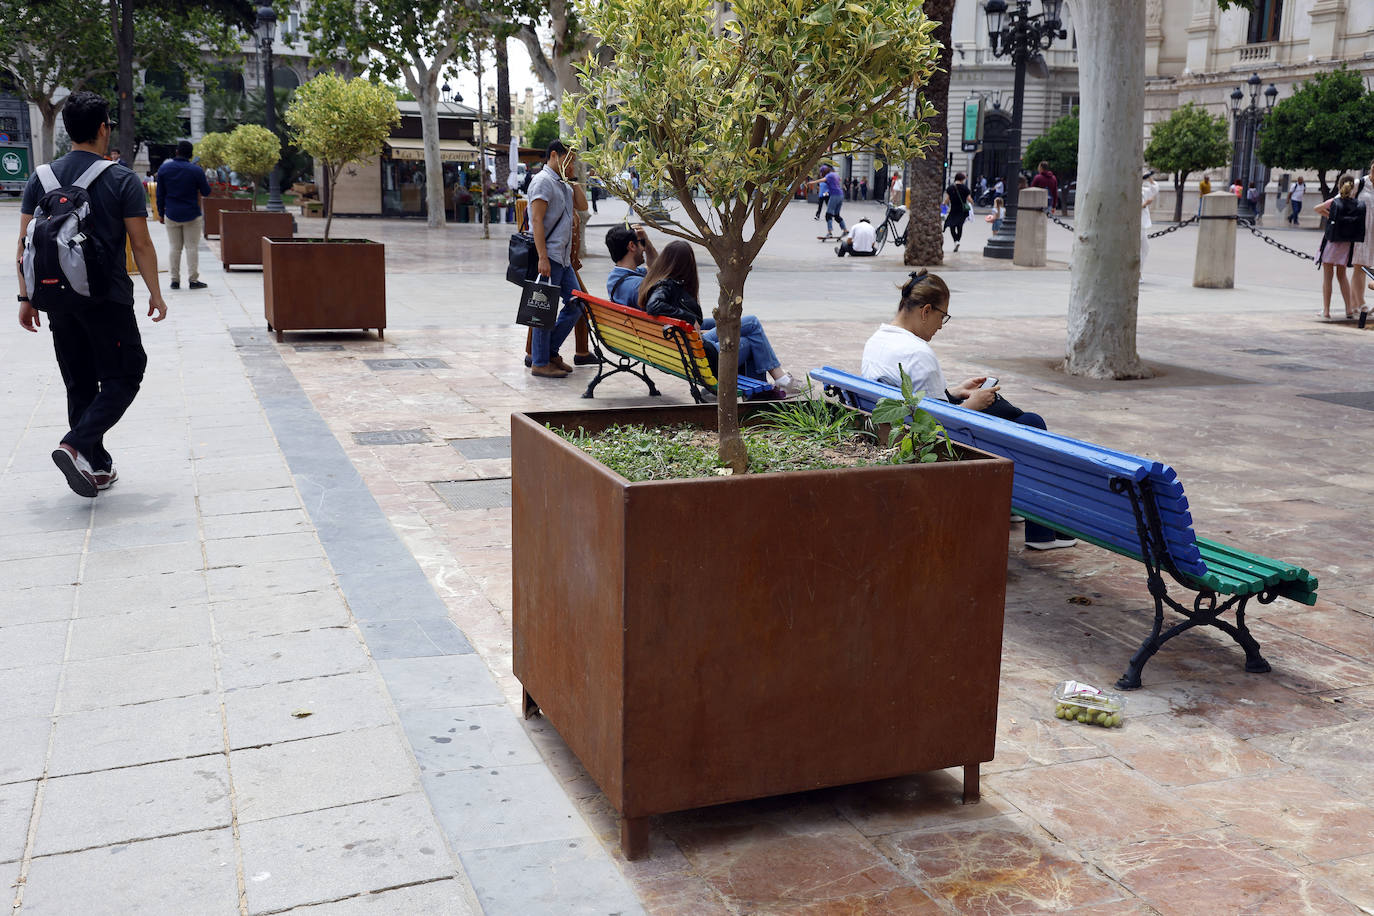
{"points": [[1347, 218], [64, 264]]}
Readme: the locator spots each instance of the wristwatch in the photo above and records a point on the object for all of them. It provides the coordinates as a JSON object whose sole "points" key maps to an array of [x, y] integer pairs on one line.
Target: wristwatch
{"points": [[23, 298]]}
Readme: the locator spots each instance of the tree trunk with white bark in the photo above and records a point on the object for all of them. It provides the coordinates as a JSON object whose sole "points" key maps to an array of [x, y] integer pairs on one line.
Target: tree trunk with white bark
{"points": [[1105, 279], [424, 85]]}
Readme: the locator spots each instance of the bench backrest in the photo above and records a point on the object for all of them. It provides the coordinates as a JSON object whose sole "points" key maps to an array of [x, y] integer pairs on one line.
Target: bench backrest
{"points": [[1059, 481], [650, 339]]}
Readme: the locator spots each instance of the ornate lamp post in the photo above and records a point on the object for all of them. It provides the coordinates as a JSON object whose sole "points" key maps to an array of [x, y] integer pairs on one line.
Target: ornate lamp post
{"points": [[1018, 33], [265, 28], [1245, 166]]}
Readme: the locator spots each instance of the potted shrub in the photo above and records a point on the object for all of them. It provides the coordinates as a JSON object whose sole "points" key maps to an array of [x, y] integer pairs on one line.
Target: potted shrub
{"points": [[331, 283], [211, 152], [252, 151]]}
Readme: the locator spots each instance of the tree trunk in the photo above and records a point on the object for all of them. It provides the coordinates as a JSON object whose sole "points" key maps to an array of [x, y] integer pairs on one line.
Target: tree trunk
{"points": [[331, 179], [925, 235], [49, 111], [122, 14], [1321, 183], [729, 308], [1180, 179], [427, 94], [482, 144], [503, 125], [1105, 276]]}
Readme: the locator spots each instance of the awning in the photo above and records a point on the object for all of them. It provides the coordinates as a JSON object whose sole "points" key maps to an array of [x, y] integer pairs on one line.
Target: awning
{"points": [[449, 150]]}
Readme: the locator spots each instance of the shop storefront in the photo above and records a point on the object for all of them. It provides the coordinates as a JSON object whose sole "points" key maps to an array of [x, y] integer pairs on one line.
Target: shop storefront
{"points": [[404, 178]]}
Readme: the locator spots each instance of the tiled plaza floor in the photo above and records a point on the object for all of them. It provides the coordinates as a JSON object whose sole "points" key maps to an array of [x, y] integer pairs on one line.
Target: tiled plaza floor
{"points": [[1225, 792]]}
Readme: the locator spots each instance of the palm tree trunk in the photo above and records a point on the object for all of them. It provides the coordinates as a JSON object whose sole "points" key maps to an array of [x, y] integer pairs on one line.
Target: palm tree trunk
{"points": [[503, 127], [925, 240]]}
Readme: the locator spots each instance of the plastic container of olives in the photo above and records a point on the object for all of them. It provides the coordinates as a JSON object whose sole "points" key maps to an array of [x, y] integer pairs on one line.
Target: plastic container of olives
{"points": [[1075, 702]]}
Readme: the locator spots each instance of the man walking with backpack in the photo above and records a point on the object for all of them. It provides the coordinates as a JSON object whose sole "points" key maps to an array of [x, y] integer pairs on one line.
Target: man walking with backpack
{"points": [[180, 186], [74, 218]]}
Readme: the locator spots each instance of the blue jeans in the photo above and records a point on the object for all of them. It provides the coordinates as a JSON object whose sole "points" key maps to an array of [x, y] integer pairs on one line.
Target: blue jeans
{"points": [[1036, 532], [1297, 208], [832, 212], [756, 354], [546, 341]]}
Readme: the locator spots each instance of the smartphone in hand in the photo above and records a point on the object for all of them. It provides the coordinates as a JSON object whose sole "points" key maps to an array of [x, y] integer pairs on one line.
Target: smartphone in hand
{"points": [[990, 383]]}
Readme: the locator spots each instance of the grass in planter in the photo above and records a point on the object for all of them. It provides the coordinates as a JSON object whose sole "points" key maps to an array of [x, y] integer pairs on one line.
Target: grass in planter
{"points": [[802, 435]]}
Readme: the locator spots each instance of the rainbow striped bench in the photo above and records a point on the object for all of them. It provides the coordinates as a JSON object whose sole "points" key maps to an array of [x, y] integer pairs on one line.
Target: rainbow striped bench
{"points": [[639, 340]]}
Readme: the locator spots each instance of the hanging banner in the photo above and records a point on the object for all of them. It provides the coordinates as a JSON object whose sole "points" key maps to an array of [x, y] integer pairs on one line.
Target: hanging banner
{"points": [[973, 125]]}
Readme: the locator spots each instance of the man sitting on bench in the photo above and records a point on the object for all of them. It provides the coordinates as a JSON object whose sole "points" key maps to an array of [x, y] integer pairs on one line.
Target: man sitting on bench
{"points": [[905, 344], [630, 248]]}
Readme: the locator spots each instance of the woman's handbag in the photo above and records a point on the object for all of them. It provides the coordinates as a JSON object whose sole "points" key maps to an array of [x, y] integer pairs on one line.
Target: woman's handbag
{"points": [[538, 303]]}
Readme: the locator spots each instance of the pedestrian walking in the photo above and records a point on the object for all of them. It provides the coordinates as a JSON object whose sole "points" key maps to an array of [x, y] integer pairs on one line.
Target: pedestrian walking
{"points": [[1204, 187], [1362, 254], [1149, 193], [956, 198], [896, 191], [1338, 244], [863, 188], [180, 186], [95, 333], [552, 223], [1295, 196], [1044, 178]]}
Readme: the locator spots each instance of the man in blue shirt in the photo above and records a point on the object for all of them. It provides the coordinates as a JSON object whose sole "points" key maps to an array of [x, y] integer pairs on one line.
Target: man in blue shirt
{"points": [[180, 186], [630, 249]]}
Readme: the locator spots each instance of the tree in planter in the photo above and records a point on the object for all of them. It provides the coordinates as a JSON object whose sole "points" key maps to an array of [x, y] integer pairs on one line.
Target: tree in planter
{"points": [[1190, 140], [1326, 125], [1058, 147], [339, 121], [252, 151], [743, 108]]}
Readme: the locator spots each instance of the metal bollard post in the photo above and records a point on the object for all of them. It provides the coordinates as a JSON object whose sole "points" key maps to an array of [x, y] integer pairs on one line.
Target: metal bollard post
{"points": [[1215, 266], [1030, 228]]}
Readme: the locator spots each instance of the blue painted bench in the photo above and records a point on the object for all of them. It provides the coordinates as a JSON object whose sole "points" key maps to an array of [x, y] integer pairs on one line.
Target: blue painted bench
{"points": [[1129, 505]]}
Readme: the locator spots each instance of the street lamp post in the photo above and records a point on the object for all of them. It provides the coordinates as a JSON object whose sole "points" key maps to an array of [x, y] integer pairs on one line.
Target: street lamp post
{"points": [[1245, 165], [265, 28], [1018, 33]]}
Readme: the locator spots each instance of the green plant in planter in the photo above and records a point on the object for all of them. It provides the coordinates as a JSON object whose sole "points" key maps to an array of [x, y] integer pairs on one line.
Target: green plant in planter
{"points": [[252, 151], [210, 150], [813, 418], [339, 122], [915, 434]]}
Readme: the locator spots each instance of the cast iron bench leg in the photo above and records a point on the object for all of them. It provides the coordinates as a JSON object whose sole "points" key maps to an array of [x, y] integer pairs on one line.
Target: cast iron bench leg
{"points": [[971, 783], [634, 837]]}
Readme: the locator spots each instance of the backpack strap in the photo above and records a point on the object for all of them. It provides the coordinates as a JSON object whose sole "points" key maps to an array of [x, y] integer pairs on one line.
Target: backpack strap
{"points": [[89, 176], [48, 178]]}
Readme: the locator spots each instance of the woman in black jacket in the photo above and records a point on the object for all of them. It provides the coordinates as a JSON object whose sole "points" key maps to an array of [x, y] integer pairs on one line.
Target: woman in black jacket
{"points": [[670, 290]]}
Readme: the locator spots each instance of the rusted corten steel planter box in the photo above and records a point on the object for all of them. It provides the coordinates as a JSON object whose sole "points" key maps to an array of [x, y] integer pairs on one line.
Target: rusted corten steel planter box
{"points": [[242, 231], [212, 207], [311, 284], [711, 640]]}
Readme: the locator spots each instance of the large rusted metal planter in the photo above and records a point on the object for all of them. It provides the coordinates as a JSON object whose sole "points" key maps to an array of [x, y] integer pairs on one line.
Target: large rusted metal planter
{"points": [[212, 207], [311, 284], [712, 640], [242, 232]]}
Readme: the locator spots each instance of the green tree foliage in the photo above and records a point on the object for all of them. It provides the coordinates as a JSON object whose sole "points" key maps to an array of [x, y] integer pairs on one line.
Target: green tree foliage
{"points": [[544, 130], [253, 151], [211, 150], [1059, 147], [159, 119], [340, 121], [743, 108], [1189, 140], [1326, 125]]}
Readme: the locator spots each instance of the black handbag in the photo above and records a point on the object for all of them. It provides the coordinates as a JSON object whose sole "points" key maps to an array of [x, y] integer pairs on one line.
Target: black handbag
{"points": [[522, 257], [538, 303]]}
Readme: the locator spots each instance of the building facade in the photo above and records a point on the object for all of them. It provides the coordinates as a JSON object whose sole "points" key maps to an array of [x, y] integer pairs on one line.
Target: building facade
{"points": [[523, 112]]}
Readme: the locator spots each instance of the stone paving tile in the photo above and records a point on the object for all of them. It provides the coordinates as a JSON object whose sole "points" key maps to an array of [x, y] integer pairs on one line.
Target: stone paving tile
{"points": [[254, 524], [121, 736], [16, 807], [291, 656], [313, 773], [245, 618], [44, 544], [139, 631], [36, 605], [563, 876], [25, 747], [144, 533], [240, 502], [468, 738], [1348, 877], [438, 683], [167, 558], [264, 548], [325, 855], [435, 898], [411, 638], [141, 678], [30, 691], [33, 644], [340, 703], [505, 806], [141, 802], [37, 571], [137, 593], [270, 579], [137, 877]]}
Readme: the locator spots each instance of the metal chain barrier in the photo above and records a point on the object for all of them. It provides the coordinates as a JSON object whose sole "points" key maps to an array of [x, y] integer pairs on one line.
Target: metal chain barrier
{"points": [[1059, 222], [1174, 228], [1242, 221], [1250, 224]]}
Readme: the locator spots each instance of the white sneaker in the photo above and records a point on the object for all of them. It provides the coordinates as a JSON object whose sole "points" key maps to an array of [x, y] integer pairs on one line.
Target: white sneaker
{"points": [[78, 471], [789, 384], [1015, 519], [1051, 545], [106, 479]]}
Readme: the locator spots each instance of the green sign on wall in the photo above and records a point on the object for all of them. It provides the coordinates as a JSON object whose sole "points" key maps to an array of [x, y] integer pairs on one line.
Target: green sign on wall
{"points": [[973, 125], [14, 167]]}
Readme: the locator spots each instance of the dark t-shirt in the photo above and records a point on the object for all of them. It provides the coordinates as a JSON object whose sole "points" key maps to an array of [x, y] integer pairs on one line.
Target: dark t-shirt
{"points": [[958, 195], [116, 195]]}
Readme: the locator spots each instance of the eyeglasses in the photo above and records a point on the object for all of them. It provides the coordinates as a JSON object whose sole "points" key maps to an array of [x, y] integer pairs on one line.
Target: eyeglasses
{"points": [[943, 321]]}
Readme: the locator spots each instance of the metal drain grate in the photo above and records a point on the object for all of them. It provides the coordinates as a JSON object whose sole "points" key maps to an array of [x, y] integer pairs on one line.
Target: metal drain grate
{"points": [[383, 365], [317, 348], [1293, 367], [391, 437], [1363, 400], [477, 449], [491, 493]]}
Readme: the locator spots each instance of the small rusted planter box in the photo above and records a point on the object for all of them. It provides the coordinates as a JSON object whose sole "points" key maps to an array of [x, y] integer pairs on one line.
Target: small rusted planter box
{"points": [[712, 640], [212, 207], [311, 284], [242, 232]]}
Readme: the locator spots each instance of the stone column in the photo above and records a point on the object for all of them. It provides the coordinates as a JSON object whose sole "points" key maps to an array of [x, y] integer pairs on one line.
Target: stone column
{"points": [[1215, 267], [1030, 228]]}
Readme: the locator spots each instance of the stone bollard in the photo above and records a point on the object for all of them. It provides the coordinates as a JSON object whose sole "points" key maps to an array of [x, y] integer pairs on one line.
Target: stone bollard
{"points": [[1030, 228], [1215, 266]]}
